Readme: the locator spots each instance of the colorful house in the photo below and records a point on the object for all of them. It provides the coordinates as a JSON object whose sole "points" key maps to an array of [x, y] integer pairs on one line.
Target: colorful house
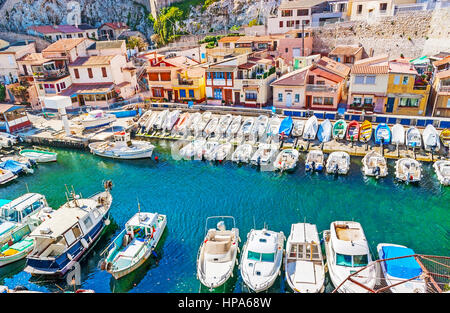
{"points": [[189, 85], [13, 118], [347, 54], [440, 93]]}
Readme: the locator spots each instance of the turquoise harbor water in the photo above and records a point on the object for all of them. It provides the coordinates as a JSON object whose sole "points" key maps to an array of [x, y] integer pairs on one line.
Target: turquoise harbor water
{"points": [[190, 191]]}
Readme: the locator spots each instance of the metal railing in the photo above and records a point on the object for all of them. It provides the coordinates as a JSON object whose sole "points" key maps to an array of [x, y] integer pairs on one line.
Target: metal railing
{"points": [[320, 88]]}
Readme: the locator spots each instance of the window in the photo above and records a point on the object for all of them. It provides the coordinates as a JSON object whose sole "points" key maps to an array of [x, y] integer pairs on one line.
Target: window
{"points": [[359, 10], [281, 24], [88, 222], [90, 73], [383, 7], [290, 23], [343, 260], [191, 93], [357, 100], [328, 100], [286, 13], [297, 97], [320, 82], [397, 80], [76, 72], [342, 7], [218, 94], [268, 257], [368, 101], [359, 79], [405, 80], [317, 100], [360, 260], [228, 75], [104, 72], [165, 76], [448, 103], [208, 75], [251, 96], [157, 93], [80, 35], [286, 50], [409, 102], [280, 97], [370, 80], [100, 97], [182, 93], [295, 52], [63, 85], [253, 255], [302, 12], [69, 237]]}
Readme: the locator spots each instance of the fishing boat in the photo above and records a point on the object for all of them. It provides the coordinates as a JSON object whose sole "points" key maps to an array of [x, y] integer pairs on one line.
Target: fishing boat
{"points": [[16, 167], [158, 123], [223, 151], [97, 118], [135, 244], [211, 127], [297, 128], [398, 134], [285, 127], [338, 162], [40, 156], [171, 119], [6, 176], [413, 138], [234, 127], [314, 161], [180, 125], [122, 147], [217, 255], [408, 170], [193, 122], [224, 123], [191, 148], [246, 128], [264, 154], [347, 251], [374, 164], [17, 248], [402, 274], [70, 234], [382, 134], [303, 263], [208, 151], [353, 131], [273, 127], [339, 129], [431, 140], [259, 130], [311, 127], [442, 169], [445, 137], [243, 153], [324, 132], [261, 258], [286, 160], [365, 131]]}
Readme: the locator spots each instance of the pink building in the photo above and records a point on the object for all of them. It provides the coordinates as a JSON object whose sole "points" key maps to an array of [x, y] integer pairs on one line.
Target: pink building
{"points": [[289, 48]]}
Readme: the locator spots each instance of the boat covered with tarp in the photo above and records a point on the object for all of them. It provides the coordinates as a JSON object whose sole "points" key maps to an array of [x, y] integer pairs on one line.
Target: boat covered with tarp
{"points": [[383, 134]]}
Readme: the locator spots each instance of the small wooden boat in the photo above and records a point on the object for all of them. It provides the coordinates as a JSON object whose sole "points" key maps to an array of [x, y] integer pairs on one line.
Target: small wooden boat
{"points": [[311, 128], [365, 131], [6, 176], [40, 156], [285, 127], [398, 134], [413, 138], [408, 170], [217, 255], [243, 153], [442, 169], [338, 162], [431, 140], [339, 129], [374, 164], [286, 160], [303, 263], [135, 244], [297, 128], [353, 131], [314, 161], [445, 137], [324, 131], [382, 134]]}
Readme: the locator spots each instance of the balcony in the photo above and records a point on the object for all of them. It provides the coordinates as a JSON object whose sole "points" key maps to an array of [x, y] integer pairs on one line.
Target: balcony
{"points": [[185, 82], [444, 89], [50, 75], [420, 87], [320, 88]]}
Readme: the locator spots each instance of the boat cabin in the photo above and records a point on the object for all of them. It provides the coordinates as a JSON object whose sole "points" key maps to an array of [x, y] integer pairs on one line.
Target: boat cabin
{"points": [[262, 246], [142, 225], [23, 208], [122, 137], [304, 244]]}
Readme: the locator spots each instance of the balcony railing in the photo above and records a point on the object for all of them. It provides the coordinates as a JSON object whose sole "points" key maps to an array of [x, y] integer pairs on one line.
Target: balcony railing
{"points": [[185, 82], [320, 88], [420, 87], [51, 74], [444, 89]]}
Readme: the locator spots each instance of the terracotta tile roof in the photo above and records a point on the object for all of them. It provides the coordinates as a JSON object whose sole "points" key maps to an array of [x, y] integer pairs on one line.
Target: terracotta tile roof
{"points": [[345, 50], [299, 4], [93, 60], [442, 62], [295, 78], [374, 59], [64, 44], [116, 25], [229, 39], [112, 44], [370, 69], [328, 75], [34, 59], [443, 74], [87, 88], [334, 66]]}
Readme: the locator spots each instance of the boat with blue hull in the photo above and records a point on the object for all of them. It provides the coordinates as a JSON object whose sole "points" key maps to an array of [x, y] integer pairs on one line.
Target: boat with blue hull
{"points": [[69, 235], [285, 127], [383, 134]]}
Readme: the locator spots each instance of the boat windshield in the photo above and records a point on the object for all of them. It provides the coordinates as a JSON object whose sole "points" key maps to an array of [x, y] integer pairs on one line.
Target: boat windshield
{"points": [[263, 257], [351, 260]]}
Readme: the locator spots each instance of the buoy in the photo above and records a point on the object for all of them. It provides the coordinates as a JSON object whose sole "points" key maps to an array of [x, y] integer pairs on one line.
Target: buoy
{"points": [[156, 158]]}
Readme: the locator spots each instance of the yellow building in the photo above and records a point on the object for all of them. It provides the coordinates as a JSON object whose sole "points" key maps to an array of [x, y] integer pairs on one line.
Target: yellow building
{"points": [[407, 92], [189, 85]]}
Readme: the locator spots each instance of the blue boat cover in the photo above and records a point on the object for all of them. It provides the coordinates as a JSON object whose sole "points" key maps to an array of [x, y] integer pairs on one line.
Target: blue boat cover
{"points": [[402, 268], [13, 166], [286, 126]]}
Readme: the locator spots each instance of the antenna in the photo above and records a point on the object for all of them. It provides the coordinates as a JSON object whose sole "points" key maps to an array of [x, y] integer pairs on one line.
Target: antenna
{"points": [[254, 224], [28, 190]]}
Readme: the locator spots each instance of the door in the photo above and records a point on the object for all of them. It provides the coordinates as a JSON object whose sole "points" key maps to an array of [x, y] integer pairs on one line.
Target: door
{"points": [[25, 70], [237, 99], [390, 105], [308, 102], [169, 95], [288, 99], [81, 100], [228, 96]]}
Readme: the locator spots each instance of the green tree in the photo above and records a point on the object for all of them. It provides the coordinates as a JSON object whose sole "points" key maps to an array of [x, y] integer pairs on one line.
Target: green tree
{"points": [[253, 22], [164, 25], [2, 92], [135, 41], [20, 92]]}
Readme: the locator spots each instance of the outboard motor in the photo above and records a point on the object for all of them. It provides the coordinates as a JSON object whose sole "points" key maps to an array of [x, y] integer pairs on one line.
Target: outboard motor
{"points": [[313, 165], [336, 168], [221, 226], [377, 171]]}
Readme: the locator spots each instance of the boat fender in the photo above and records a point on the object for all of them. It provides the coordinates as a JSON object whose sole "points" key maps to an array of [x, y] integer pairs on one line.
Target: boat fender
{"points": [[10, 243], [103, 265], [108, 266], [154, 254], [84, 243]]}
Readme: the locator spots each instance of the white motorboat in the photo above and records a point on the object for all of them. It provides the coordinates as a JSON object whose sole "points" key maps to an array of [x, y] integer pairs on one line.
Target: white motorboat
{"points": [[6, 176], [408, 170], [200, 126], [398, 134], [286, 160], [190, 150], [259, 129], [297, 128], [40, 156], [193, 122], [122, 147], [303, 263], [402, 274], [97, 118], [243, 153], [264, 155], [144, 118], [261, 258], [431, 141], [158, 123], [171, 119], [208, 151], [314, 161], [151, 121], [181, 124], [211, 127], [413, 138], [234, 127], [442, 169], [224, 123], [223, 151], [374, 164], [311, 128], [273, 127], [217, 255], [135, 244], [8, 140], [347, 252], [338, 162], [246, 128]]}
